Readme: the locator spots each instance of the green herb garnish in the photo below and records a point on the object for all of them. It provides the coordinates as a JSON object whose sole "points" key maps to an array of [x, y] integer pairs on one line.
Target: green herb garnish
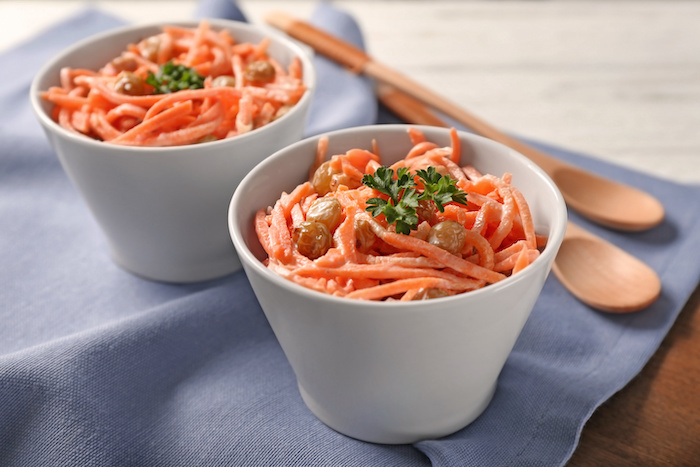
{"points": [[403, 198], [171, 78], [441, 190]]}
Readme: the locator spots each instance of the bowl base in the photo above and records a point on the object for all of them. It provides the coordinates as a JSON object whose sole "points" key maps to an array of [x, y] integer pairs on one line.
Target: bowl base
{"points": [[400, 435], [224, 266]]}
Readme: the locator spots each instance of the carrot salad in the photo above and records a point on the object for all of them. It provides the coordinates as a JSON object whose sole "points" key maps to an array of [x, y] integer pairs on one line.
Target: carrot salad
{"points": [[424, 227], [181, 86]]}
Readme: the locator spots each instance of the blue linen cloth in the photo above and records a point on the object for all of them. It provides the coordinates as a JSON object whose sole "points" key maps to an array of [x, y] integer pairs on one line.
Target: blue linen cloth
{"points": [[98, 367]]}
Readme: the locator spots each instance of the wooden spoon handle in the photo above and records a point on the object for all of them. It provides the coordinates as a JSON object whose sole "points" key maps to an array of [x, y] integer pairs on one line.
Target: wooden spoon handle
{"points": [[360, 62], [405, 107], [326, 44], [608, 204], [401, 103]]}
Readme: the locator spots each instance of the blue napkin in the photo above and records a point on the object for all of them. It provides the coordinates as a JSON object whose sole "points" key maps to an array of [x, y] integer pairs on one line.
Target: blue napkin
{"points": [[98, 367]]}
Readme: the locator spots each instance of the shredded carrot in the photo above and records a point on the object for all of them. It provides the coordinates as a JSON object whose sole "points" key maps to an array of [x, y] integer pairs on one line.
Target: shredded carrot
{"points": [[517, 261], [526, 217], [523, 259], [444, 257], [345, 233], [420, 149], [153, 124], [456, 146], [396, 287], [321, 149], [295, 197], [507, 213], [66, 100], [102, 127], [93, 103], [369, 260], [262, 229], [416, 135]]}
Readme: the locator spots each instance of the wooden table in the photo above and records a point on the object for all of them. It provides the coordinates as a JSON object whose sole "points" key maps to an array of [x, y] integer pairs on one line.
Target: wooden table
{"points": [[655, 419], [617, 80]]}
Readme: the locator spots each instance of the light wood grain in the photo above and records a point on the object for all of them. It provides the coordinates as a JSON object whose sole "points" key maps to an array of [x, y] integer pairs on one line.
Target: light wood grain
{"points": [[619, 80]]}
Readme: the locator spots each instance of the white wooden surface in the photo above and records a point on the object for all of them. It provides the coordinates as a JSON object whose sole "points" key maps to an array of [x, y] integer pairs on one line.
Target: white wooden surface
{"points": [[619, 80]]}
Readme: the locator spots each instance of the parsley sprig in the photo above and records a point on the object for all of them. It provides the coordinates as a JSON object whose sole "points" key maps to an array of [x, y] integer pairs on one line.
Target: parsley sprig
{"points": [[171, 78], [400, 208], [440, 189], [403, 197]]}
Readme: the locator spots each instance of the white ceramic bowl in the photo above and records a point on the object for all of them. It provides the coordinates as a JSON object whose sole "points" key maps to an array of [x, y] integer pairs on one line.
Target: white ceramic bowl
{"points": [[163, 209], [396, 372]]}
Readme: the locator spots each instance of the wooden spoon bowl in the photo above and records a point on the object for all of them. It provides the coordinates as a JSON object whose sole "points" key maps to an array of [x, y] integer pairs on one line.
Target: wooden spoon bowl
{"points": [[604, 201], [602, 275]]}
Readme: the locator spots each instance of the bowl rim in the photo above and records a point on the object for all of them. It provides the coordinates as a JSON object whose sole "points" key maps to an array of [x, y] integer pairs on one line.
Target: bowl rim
{"points": [[36, 101], [247, 258]]}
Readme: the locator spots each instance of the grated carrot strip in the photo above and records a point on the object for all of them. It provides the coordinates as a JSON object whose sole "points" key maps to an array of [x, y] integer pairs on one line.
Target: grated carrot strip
{"points": [[525, 216], [187, 135], [415, 135], [64, 100], [123, 110], [296, 195], [262, 230], [401, 286], [436, 253], [321, 152], [420, 149], [153, 123], [456, 146], [280, 238], [507, 213], [80, 119], [523, 259]]}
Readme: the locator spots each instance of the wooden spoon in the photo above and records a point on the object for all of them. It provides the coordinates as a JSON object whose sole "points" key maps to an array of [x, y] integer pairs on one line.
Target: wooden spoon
{"points": [[602, 275], [596, 272], [607, 202]]}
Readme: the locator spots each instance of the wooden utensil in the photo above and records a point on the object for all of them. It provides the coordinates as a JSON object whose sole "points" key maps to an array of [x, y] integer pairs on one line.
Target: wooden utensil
{"points": [[607, 202], [595, 271], [602, 275]]}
